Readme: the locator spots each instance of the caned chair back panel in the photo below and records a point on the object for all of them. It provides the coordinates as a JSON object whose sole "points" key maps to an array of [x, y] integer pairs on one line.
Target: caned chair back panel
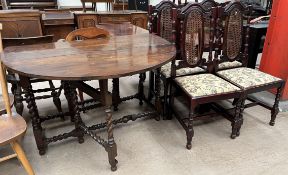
{"points": [[87, 33], [160, 19], [207, 4], [235, 37], [192, 24]]}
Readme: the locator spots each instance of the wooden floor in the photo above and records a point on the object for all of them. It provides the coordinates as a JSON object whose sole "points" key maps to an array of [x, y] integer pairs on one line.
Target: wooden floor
{"points": [[151, 147]]}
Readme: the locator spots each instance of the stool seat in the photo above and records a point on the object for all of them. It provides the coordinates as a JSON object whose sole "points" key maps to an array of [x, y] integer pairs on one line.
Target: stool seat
{"points": [[11, 128]]}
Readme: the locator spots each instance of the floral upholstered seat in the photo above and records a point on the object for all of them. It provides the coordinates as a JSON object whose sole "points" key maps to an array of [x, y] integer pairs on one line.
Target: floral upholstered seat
{"points": [[224, 65], [166, 70], [205, 85], [247, 77], [228, 65]]}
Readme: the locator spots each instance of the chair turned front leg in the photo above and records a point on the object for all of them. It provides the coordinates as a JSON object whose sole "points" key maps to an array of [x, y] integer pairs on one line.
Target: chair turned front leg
{"points": [[190, 130], [238, 118], [275, 109], [22, 157]]}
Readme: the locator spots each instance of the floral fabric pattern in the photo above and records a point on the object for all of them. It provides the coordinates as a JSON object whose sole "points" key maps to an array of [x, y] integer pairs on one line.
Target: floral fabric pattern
{"points": [[166, 70], [227, 65], [205, 85], [224, 65], [247, 77]]}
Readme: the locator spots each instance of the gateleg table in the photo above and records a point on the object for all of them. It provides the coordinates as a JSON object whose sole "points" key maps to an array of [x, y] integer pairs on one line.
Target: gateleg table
{"points": [[129, 50]]}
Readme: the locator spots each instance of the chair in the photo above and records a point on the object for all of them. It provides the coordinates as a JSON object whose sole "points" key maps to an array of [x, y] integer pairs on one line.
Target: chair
{"points": [[88, 33], [235, 47], [12, 126], [164, 29], [204, 88]]}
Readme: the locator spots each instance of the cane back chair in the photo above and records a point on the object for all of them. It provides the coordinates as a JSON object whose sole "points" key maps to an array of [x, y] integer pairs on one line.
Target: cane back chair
{"points": [[161, 23], [12, 126], [202, 88], [247, 79]]}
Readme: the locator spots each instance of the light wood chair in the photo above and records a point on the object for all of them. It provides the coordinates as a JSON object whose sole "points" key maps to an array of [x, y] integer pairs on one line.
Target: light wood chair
{"points": [[12, 126]]}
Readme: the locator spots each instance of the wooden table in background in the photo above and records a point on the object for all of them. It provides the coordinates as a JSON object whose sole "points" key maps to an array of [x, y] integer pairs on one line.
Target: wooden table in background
{"points": [[130, 50]]}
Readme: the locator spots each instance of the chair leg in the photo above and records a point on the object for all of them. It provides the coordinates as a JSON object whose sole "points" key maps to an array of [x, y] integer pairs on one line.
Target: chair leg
{"points": [[56, 99], [165, 106], [238, 118], [190, 130], [18, 99], [22, 157], [151, 85], [275, 109], [171, 102]]}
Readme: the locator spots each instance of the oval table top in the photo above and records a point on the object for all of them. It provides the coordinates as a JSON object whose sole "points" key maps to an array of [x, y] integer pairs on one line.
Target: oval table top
{"points": [[129, 50]]}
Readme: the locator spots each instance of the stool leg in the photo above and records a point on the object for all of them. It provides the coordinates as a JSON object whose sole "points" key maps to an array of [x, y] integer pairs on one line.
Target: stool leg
{"points": [[22, 157]]}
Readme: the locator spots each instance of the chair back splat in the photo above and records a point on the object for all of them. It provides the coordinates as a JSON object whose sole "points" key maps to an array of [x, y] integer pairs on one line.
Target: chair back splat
{"points": [[232, 34], [191, 22], [87, 33]]}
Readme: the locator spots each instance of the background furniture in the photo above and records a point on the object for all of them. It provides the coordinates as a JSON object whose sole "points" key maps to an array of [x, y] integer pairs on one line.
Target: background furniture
{"points": [[94, 3], [12, 126], [257, 32], [91, 19], [138, 5], [58, 23], [35, 4], [20, 23], [24, 27]]}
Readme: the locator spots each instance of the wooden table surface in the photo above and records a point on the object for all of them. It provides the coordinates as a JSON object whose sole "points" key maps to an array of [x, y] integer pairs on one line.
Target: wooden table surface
{"points": [[129, 50]]}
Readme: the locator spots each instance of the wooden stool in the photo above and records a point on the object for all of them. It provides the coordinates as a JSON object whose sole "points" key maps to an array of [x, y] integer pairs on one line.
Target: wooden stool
{"points": [[12, 126]]}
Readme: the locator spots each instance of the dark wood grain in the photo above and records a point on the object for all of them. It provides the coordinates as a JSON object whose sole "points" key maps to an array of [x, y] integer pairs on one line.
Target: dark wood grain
{"points": [[114, 57]]}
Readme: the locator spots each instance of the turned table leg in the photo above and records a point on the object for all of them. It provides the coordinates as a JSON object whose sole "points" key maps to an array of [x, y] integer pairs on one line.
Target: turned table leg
{"points": [[76, 112], [36, 122], [111, 147]]}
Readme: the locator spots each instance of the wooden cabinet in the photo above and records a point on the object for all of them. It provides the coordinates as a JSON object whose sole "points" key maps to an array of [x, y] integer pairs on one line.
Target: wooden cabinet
{"points": [[140, 20], [35, 4], [89, 19], [58, 23], [86, 20], [20, 23]]}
